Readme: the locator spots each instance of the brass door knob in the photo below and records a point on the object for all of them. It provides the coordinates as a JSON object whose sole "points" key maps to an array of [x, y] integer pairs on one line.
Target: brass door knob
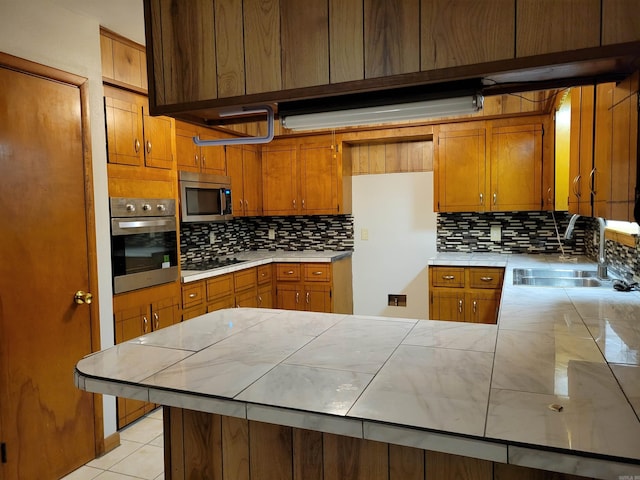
{"points": [[83, 297]]}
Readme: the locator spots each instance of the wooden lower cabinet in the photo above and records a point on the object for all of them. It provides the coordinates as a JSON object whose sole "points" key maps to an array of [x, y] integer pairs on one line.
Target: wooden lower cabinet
{"points": [[137, 313], [315, 287], [465, 294], [207, 445]]}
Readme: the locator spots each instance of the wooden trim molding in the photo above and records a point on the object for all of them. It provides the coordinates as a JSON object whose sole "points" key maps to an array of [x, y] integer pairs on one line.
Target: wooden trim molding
{"points": [[622, 238]]}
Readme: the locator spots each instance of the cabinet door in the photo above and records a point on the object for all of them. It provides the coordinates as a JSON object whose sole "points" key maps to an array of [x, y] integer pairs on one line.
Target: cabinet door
{"points": [[212, 160], [461, 171], [235, 171], [318, 179], [280, 180], [131, 323], [164, 313], [317, 298], [221, 303], [187, 152], [482, 307], [193, 312], [447, 305], [288, 296], [581, 149], [516, 168], [124, 131], [157, 142], [248, 299], [252, 178], [265, 296], [219, 287]]}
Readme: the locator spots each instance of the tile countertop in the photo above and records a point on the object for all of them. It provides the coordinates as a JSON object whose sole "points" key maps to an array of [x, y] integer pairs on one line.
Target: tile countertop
{"points": [[261, 257], [484, 391]]}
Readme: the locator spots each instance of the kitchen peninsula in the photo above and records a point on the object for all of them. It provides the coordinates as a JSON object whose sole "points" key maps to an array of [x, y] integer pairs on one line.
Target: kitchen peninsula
{"points": [[252, 393]]}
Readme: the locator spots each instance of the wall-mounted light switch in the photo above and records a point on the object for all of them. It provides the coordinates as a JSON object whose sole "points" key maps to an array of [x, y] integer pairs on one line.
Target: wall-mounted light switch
{"points": [[212, 238], [271, 234], [496, 233], [364, 234]]}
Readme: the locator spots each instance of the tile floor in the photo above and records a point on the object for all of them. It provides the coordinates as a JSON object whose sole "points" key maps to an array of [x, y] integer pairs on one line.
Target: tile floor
{"points": [[139, 456]]}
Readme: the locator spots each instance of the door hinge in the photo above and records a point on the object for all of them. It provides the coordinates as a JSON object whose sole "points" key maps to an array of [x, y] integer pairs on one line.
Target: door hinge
{"points": [[3, 453]]}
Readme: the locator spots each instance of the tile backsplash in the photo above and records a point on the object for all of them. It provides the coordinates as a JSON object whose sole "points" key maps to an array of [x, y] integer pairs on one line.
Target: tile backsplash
{"points": [[318, 232], [532, 232]]}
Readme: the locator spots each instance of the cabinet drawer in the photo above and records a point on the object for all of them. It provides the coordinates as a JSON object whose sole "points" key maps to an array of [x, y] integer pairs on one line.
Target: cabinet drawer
{"points": [[486, 277], [220, 286], [192, 294], [244, 279], [447, 277], [265, 274], [193, 312], [288, 272], [317, 272]]}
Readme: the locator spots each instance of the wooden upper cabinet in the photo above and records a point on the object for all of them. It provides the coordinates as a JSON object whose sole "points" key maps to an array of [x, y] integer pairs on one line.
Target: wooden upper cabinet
{"points": [[192, 158], [124, 131], [620, 21], [545, 26], [280, 179], [186, 38], [262, 46], [245, 169], [158, 134], [318, 179], [460, 171], [460, 32], [124, 62], [346, 27], [391, 37], [305, 43], [581, 149], [516, 168], [229, 48]]}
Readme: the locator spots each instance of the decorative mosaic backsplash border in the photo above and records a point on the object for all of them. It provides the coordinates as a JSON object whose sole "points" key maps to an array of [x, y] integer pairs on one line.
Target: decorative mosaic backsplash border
{"points": [[521, 232], [320, 232], [532, 232]]}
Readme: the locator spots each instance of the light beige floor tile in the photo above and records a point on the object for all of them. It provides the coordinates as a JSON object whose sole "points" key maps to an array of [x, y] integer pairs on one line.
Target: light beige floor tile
{"points": [[143, 431], [83, 473], [157, 413], [158, 441], [147, 462], [160, 477], [116, 455], [116, 476]]}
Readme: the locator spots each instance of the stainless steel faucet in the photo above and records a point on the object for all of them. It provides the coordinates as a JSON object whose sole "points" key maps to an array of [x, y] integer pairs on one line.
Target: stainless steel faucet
{"points": [[602, 261]]}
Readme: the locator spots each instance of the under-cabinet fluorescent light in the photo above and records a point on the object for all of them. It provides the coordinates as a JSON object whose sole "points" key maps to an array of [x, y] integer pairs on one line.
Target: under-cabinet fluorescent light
{"points": [[421, 110]]}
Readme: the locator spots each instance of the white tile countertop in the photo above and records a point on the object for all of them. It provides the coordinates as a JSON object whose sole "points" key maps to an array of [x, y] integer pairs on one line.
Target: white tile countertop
{"points": [[255, 258], [485, 391]]}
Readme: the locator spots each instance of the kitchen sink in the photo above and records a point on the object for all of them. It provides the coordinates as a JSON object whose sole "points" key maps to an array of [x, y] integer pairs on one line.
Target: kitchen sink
{"points": [[555, 277]]}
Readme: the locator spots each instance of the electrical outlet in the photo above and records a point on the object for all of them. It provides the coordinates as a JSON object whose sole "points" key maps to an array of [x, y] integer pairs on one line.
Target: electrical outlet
{"points": [[271, 234], [496, 233], [364, 234], [212, 238]]}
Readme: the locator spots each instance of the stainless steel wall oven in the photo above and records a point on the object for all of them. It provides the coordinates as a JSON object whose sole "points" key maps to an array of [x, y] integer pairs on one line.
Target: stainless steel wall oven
{"points": [[144, 244]]}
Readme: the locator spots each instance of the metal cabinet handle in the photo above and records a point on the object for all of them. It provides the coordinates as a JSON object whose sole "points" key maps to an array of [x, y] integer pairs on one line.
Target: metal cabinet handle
{"points": [[578, 189], [549, 196], [481, 199], [486, 279], [460, 306], [495, 197], [448, 277], [475, 304], [145, 324], [136, 145], [575, 185], [148, 146], [246, 203], [307, 297], [297, 297], [294, 204], [196, 159], [317, 273], [303, 203], [240, 203], [259, 300], [193, 295], [592, 180], [290, 272], [156, 321]]}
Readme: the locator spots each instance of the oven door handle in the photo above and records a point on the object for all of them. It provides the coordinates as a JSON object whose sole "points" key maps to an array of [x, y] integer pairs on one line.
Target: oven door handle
{"points": [[133, 226]]}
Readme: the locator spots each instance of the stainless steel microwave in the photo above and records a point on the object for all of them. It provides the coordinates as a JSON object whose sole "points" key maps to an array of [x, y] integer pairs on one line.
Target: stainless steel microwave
{"points": [[205, 198]]}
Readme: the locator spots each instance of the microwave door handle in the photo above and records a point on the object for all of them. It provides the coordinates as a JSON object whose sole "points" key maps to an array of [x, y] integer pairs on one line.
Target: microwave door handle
{"points": [[223, 201]]}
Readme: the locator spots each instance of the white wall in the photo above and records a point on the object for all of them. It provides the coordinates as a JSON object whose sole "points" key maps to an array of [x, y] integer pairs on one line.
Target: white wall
{"points": [[397, 211], [40, 31]]}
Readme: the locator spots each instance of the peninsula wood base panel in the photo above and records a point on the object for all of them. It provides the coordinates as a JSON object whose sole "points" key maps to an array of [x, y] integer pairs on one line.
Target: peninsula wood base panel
{"points": [[205, 445]]}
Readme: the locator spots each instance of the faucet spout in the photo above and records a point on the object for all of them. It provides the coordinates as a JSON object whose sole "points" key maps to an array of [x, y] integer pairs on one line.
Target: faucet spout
{"points": [[602, 261], [568, 234]]}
